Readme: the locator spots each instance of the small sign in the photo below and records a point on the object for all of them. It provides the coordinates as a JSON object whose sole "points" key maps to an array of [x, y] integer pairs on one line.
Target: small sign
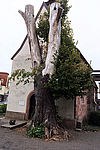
{"points": [[21, 103]]}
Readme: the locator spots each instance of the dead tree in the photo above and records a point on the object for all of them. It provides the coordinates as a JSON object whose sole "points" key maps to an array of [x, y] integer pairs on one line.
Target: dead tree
{"points": [[45, 107]]}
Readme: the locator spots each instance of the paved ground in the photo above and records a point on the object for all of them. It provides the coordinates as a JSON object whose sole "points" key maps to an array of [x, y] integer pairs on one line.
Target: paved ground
{"points": [[13, 140]]}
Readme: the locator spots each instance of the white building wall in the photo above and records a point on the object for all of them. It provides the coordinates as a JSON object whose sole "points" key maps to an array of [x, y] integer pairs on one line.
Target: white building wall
{"points": [[18, 93]]}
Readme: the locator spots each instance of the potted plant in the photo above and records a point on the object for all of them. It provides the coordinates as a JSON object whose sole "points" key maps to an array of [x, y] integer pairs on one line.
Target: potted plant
{"points": [[12, 122]]}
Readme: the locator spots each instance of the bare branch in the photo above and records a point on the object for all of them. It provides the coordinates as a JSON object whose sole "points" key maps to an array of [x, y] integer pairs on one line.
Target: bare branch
{"points": [[22, 14]]}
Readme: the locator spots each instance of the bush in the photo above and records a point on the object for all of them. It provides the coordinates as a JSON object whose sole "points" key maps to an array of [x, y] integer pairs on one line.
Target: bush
{"points": [[94, 118], [38, 131], [3, 108]]}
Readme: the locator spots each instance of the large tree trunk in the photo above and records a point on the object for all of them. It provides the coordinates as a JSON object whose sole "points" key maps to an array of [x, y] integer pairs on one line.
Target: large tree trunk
{"points": [[45, 107], [45, 110]]}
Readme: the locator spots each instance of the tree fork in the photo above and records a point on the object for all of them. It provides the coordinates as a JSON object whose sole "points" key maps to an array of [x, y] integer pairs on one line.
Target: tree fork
{"points": [[45, 110]]}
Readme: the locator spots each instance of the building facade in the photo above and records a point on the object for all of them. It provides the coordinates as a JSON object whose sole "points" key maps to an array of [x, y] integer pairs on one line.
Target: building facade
{"points": [[3, 87]]}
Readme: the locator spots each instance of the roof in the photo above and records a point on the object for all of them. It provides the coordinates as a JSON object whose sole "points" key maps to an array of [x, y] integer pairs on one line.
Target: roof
{"points": [[96, 75], [4, 73], [43, 5], [83, 58], [98, 71], [50, 2], [19, 48], [46, 5]]}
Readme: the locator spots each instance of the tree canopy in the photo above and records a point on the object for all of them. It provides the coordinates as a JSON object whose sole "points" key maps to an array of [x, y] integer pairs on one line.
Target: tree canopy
{"points": [[72, 76]]}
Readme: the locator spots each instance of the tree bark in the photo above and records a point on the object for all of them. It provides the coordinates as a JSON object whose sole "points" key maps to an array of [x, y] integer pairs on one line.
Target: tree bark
{"points": [[45, 108]]}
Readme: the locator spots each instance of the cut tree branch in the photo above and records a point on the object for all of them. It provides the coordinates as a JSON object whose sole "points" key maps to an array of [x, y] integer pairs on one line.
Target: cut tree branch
{"points": [[28, 16], [22, 14]]}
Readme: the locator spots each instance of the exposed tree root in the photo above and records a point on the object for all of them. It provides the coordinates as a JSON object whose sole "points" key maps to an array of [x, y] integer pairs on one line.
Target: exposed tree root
{"points": [[56, 134]]}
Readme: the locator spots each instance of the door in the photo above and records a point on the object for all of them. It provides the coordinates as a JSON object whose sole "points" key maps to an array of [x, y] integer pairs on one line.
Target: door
{"points": [[32, 107]]}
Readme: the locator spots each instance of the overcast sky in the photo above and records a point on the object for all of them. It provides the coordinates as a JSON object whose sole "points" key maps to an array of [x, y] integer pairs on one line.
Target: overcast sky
{"points": [[85, 18]]}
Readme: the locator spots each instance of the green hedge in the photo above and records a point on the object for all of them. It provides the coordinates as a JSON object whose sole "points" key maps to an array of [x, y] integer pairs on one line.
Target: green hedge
{"points": [[94, 118], [3, 108]]}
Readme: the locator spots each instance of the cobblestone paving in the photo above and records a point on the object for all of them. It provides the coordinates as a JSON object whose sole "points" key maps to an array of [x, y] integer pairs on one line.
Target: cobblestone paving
{"points": [[13, 140]]}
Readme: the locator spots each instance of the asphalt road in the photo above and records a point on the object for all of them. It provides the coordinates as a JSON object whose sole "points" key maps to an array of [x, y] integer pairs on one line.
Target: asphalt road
{"points": [[13, 140]]}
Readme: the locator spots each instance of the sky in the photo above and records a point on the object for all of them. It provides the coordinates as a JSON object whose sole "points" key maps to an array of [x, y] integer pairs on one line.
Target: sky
{"points": [[85, 21]]}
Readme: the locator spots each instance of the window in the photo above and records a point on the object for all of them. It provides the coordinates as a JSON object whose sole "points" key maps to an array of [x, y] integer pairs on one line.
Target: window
{"points": [[0, 87], [82, 99], [0, 98], [2, 80]]}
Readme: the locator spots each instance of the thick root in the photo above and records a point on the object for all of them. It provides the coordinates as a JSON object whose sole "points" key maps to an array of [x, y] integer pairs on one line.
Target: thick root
{"points": [[56, 134]]}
